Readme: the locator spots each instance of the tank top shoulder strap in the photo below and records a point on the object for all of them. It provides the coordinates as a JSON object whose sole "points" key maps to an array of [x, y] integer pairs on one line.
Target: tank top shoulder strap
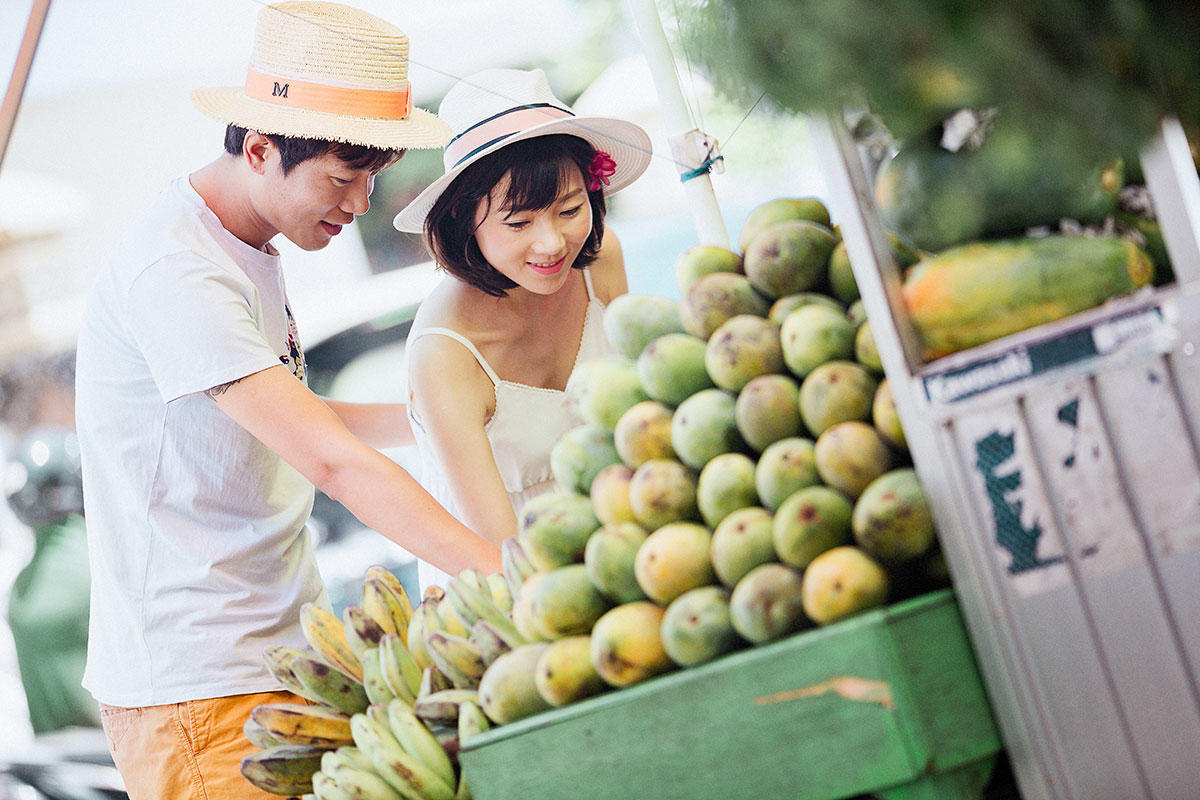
{"points": [[465, 342], [587, 282]]}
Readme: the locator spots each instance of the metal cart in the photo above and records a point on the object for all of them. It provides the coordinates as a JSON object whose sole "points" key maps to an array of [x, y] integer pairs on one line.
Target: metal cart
{"points": [[1063, 467]]}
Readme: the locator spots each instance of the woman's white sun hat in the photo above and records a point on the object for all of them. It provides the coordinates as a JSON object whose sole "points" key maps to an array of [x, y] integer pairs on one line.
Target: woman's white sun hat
{"points": [[496, 107], [327, 71]]}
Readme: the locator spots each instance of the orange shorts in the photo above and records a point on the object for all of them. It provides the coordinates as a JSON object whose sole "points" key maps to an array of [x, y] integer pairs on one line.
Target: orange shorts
{"points": [[186, 751]]}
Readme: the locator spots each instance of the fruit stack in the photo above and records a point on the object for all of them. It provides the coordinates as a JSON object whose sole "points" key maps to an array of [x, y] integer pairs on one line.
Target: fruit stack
{"points": [[741, 475], [384, 718]]}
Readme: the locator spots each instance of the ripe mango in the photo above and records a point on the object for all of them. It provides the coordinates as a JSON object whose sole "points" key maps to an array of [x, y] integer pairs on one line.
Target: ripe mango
{"points": [[715, 298], [849, 455], [740, 543], [626, 644], [814, 334], [767, 409], [726, 484], [609, 560], [892, 520], [605, 388], [785, 467], [865, 351], [553, 528], [886, 418], [565, 602], [673, 559], [644, 432], [810, 522], [697, 628], [564, 672], [780, 209], [741, 349], [579, 455], [841, 582], [765, 604], [788, 257], [704, 259], [632, 321], [671, 368], [790, 302], [663, 490], [610, 494], [835, 392], [508, 689]]}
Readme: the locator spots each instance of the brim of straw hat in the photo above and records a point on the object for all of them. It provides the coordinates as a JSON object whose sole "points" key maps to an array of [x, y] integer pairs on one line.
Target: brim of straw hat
{"points": [[627, 143], [421, 130]]}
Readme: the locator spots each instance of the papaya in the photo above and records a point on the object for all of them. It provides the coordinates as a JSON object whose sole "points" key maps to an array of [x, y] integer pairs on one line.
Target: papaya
{"points": [[981, 291]]}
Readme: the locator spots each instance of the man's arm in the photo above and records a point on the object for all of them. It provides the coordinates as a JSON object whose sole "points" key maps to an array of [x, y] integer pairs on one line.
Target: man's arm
{"points": [[380, 425], [305, 432]]}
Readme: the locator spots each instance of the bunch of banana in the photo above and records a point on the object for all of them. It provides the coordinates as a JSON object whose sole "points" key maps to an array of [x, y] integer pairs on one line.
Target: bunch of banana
{"points": [[393, 745], [442, 707], [315, 680], [471, 595], [515, 565], [285, 769]]}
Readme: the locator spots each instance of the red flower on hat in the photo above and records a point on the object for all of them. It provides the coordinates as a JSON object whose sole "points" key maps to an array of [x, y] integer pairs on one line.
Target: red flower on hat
{"points": [[601, 170]]}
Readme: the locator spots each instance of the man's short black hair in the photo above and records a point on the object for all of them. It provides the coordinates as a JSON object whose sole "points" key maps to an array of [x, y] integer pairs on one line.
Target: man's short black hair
{"points": [[294, 150], [538, 169]]}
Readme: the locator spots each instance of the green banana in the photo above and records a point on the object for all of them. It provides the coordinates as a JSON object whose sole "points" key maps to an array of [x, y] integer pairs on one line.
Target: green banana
{"points": [[473, 603], [515, 565], [326, 788], [303, 725], [490, 643], [376, 684], [324, 633], [418, 627], [279, 663], [441, 616], [471, 721], [402, 771], [417, 740], [432, 680], [285, 769], [360, 627], [354, 756], [360, 782], [402, 605], [442, 706], [257, 735], [457, 658], [329, 684], [400, 668]]}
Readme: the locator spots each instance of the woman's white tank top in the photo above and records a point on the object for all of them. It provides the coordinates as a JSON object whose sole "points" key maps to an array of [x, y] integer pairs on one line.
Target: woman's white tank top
{"points": [[527, 423]]}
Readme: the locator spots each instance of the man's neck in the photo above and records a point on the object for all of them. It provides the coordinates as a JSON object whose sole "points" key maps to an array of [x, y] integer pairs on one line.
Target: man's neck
{"points": [[223, 188]]}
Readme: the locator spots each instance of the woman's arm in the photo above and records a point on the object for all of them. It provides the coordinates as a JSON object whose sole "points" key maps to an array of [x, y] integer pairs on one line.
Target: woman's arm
{"points": [[452, 398], [380, 425]]}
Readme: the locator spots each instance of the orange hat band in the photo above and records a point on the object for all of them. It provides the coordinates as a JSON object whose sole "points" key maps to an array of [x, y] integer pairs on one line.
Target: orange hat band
{"points": [[342, 100]]}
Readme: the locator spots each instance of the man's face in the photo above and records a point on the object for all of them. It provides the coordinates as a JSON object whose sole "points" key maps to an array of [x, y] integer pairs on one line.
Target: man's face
{"points": [[312, 203]]}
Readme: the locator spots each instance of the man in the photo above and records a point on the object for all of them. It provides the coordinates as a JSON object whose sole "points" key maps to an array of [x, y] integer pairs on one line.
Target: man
{"points": [[201, 442]]}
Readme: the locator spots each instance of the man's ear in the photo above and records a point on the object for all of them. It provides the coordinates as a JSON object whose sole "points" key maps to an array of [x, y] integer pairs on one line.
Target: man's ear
{"points": [[257, 151]]}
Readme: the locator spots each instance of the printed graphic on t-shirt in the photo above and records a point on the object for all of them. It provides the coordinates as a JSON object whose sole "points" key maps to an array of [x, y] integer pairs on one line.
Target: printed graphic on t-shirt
{"points": [[295, 358]]}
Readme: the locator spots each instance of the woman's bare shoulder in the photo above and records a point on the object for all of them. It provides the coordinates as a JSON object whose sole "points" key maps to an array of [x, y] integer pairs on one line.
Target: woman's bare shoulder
{"points": [[608, 270]]}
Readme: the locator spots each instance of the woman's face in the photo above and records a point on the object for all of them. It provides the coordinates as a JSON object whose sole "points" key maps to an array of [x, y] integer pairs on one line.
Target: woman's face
{"points": [[535, 249]]}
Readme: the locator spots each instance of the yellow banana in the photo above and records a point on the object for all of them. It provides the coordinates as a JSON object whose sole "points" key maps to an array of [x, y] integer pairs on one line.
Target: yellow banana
{"points": [[377, 687], [490, 643], [515, 565], [325, 634], [326, 788], [457, 658], [329, 685], [471, 721], [393, 584], [285, 769], [377, 603], [301, 724], [361, 631], [279, 663], [360, 783], [402, 771], [415, 638], [257, 735], [400, 668], [441, 616], [432, 680], [442, 706], [501, 595], [417, 740]]}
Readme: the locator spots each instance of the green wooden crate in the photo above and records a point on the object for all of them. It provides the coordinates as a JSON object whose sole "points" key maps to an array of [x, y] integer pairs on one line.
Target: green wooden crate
{"points": [[889, 702]]}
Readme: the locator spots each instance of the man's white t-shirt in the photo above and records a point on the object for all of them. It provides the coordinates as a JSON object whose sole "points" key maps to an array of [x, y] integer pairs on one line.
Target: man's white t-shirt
{"points": [[199, 553]]}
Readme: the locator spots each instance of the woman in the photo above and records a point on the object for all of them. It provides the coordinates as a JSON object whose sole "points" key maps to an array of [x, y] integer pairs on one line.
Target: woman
{"points": [[517, 221]]}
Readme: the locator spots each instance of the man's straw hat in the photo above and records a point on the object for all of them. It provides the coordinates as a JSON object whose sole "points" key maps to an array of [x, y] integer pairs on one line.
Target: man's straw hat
{"points": [[497, 107], [327, 71]]}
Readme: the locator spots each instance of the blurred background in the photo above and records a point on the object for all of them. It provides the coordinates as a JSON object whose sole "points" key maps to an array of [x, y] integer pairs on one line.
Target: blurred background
{"points": [[106, 123]]}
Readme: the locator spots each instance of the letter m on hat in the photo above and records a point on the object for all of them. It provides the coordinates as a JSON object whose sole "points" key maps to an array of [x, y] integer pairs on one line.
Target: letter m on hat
{"points": [[279, 91]]}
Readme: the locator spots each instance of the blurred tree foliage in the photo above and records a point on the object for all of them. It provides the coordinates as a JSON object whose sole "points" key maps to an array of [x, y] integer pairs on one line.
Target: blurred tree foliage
{"points": [[1095, 73]]}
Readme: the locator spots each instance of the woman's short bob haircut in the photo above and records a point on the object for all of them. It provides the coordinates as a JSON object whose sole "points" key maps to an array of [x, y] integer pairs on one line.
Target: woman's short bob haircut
{"points": [[539, 169]]}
